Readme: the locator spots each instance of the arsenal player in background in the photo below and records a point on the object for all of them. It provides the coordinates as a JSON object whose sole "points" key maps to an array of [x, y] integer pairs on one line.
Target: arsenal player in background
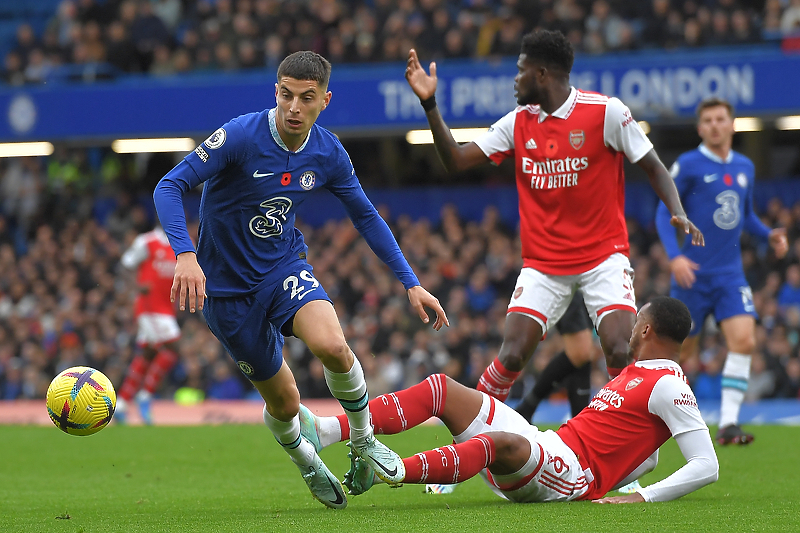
{"points": [[611, 442], [154, 261], [568, 146]]}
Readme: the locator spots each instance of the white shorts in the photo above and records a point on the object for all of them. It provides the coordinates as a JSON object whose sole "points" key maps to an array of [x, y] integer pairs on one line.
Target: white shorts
{"points": [[545, 297], [157, 328], [552, 473]]}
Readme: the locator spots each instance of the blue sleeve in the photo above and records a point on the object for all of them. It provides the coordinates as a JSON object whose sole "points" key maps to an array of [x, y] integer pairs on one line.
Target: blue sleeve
{"points": [[753, 224], [666, 231], [168, 198], [223, 148], [345, 185]]}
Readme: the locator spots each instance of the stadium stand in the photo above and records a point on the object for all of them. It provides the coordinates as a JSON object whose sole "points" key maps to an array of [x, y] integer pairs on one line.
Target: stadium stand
{"points": [[87, 40]]}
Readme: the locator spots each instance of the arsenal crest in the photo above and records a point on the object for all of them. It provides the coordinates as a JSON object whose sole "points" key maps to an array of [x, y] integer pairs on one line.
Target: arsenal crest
{"points": [[576, 139], [633, 383]]}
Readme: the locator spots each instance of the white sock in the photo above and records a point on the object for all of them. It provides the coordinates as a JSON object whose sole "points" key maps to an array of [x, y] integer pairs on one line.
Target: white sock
{"points": [[143, 396], [330, 431], [288, 435], [735, 374], [351, 391]]}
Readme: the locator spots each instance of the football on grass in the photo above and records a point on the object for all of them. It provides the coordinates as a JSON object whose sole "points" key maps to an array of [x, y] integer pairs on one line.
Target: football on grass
{"points": [[81, 401]]}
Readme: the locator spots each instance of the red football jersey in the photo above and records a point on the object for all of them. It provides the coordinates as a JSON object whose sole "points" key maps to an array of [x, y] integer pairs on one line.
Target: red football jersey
{"points": [[628, 420], [570, 178], [152, 256]]}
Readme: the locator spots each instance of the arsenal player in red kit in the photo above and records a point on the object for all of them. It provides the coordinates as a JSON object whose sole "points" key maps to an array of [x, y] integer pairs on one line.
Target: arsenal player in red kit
{"points": [[613, 441], [568, 146], [154, 261]]}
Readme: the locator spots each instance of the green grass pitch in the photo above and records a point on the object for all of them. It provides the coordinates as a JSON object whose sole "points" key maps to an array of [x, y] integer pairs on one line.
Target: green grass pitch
{"points": [[237, 479]]}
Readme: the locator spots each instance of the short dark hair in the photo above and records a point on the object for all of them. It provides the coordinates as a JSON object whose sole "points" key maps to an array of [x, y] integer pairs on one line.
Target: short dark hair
{"points": [[551, 48], [306, 65], [714, 102], [670, 318]]}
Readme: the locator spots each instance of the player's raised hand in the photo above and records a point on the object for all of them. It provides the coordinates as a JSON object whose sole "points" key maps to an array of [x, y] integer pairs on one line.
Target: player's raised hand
{"points": [[189, 283], [683, 223], [628, 498], [424, 86], [420, 299], [779, 242], [683, 270]]}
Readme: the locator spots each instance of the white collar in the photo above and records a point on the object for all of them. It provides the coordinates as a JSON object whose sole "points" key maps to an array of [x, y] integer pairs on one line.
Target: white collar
{"points": [[658, 363], [273, 129], [714, 157], [565, 109]]}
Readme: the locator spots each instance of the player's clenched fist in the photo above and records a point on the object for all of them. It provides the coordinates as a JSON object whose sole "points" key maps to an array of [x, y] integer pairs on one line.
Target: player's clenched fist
{"points": [[189, 284]]}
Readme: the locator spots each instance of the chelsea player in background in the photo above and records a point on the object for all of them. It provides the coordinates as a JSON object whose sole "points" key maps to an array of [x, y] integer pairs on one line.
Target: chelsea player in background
{"points": [[257, 169], [716, 188]]}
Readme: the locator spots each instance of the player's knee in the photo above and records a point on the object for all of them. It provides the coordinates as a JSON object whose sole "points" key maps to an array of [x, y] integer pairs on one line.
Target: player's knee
{"points": [[334, 354], [284, 407], [511, 452], [744, 344]]}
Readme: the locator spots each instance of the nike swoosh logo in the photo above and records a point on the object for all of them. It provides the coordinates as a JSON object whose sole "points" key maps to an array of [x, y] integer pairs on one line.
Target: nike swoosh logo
{"points": [[339, 498], [708, 178], [390, 473], [257, 175]]}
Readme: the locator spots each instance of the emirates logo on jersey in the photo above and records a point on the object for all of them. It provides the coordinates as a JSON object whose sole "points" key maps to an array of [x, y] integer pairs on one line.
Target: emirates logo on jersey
{"points": [[633, 383], [577, 138]]}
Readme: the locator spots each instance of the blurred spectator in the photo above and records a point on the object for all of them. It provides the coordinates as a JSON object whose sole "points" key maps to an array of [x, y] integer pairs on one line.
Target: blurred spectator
{"points": [[261, 32], [790, 21], [790, 291]]}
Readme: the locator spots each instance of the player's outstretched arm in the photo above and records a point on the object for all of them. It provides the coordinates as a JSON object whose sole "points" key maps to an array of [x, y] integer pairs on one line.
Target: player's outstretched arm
{"points": [[664, 186], [189, 283], [454, 156], [420, 299]]}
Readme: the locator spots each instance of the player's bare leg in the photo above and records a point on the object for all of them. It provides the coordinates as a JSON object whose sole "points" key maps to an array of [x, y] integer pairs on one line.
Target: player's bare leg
{"points": [[131, 385], [282, 405], [740, 336], [578, 352], [615, 335], [521, 336], [317, 325]]}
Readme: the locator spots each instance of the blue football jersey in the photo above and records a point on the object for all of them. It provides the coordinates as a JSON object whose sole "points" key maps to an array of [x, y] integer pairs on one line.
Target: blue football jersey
{"points": [[718, 198], [253, 186]]}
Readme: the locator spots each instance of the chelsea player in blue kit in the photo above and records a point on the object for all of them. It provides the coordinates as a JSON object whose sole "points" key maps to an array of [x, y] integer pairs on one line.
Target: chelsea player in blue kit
{"points": [[257, 169], [716, 188]]}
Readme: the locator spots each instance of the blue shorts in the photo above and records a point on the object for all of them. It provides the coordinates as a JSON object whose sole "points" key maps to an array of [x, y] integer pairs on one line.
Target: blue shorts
{"points": [[725, 295], [249, 327]]}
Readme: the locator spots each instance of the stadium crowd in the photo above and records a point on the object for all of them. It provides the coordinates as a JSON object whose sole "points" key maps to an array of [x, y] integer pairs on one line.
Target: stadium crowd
{"points": [[92, 39], [66, 300]]}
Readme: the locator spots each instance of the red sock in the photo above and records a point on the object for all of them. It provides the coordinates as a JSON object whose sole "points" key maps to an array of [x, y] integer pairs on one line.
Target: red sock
{"points": [[451, 464], [133, 378], [398, 411], [496, 380], [163, 363]]}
